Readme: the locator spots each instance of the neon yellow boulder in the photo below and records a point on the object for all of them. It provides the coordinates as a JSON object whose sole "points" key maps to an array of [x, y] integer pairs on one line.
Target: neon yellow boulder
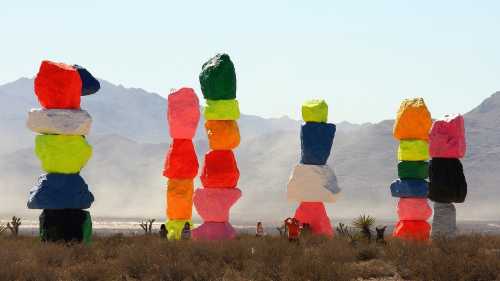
{"points": [[413, 150], [62, 154], [221, 110], [174, 228], [315, 111]]}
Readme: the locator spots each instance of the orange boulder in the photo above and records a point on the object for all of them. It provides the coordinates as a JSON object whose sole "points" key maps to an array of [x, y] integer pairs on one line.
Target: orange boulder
{"points": [[180, 199], [413, 120], [222, 134]]}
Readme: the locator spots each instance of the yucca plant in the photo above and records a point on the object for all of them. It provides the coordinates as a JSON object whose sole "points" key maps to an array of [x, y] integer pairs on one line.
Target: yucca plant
{"points": [[364, 223]]}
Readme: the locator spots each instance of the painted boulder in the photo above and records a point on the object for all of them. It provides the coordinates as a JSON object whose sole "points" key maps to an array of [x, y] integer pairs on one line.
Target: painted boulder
{"points": [[413, 120], [212, 231], [315, 111], [60, 154], [181, 161], [59, 121], [447, 181], [175, 227], [316, 141], [410, 188], [68, 225], [90, 85], [60, 191], [413, 170], [221, 110], [414, 209], [447, 138], [213, 204], [58, 86], [314, 214], [313, 183], [218, 78], [222, 134], [413, 150], [220, 170], [412, 230], [444, 222], [179, 199], [183, 113]]}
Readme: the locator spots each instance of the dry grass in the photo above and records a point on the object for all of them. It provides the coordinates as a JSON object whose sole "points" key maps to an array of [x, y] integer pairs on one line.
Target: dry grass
{"points": [[249, 258]]}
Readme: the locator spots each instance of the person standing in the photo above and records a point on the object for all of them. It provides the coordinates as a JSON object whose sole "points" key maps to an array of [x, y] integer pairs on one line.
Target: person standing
{"points": [[186, 232], [293, 226], [259, 232], [163, 231]]}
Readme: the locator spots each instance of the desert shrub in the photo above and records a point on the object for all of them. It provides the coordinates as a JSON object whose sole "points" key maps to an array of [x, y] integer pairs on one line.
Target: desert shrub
{"points": [[366, 252], [471, 257], [460, 258]]}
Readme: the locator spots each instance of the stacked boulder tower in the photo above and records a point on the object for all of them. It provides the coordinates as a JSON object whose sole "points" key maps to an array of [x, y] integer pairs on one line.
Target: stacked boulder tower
{"points": [[447, 181], [181, 163], [220, 172], [312, 182], [411, 128], [63, 151]]}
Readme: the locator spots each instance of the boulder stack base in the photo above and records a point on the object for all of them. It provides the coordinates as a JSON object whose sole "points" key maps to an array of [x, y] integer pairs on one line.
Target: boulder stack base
{"points": [[220, 173], [63, 151], [411, 128], [312, 182], [181, 163]]}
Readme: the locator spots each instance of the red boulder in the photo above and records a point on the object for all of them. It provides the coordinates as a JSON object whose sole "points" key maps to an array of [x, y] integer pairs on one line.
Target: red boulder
{"points": [[314, 214], [220, 170], [58, 86], [181, 161], [412, 230]]}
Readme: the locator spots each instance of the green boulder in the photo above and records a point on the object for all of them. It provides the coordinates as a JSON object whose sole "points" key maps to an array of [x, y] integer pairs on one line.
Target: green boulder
{"points": [[174, 228], [218, 79], [221, 110], [62, 154], [87, 229], [413, 170], [315, 111]]}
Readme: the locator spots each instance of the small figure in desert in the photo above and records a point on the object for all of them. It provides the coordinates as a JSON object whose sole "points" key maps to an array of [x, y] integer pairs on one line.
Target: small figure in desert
{"points": [[293, 227], [163, 231], [186, 232], [259, 232], [380, 234]]}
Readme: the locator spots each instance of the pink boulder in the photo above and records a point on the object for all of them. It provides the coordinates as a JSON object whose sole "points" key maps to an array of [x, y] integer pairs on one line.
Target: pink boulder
{"points": [[314, 214], [214, 231], [417, 209], [183, 113], [447, 137], [213, 204]]}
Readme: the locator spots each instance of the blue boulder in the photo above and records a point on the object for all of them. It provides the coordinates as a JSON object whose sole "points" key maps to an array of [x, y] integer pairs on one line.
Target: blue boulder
{"points": [[60, 191], [90, 85], [316, 142], [410, 188]]}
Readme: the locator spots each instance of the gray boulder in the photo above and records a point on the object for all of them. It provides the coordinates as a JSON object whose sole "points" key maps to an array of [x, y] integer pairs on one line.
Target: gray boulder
{"points": [[444, 223]]}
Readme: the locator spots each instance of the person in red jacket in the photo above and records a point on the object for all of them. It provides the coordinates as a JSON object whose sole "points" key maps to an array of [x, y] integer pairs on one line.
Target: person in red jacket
{"points": [[293, 227]]}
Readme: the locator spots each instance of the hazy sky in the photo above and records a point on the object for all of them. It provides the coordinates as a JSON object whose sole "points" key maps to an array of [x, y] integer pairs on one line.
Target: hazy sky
{"points": [[363, 57]]}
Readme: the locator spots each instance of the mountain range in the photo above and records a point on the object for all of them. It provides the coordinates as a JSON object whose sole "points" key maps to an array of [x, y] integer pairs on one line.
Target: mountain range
{"points": [[130, 139]]}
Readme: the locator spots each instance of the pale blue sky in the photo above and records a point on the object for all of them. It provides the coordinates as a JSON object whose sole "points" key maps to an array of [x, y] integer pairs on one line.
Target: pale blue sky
{"points": [[363, 57]]}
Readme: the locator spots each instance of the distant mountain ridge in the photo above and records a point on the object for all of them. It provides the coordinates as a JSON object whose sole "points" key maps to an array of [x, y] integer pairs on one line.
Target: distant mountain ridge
{"points": [[130, 112], [125, 171]]}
